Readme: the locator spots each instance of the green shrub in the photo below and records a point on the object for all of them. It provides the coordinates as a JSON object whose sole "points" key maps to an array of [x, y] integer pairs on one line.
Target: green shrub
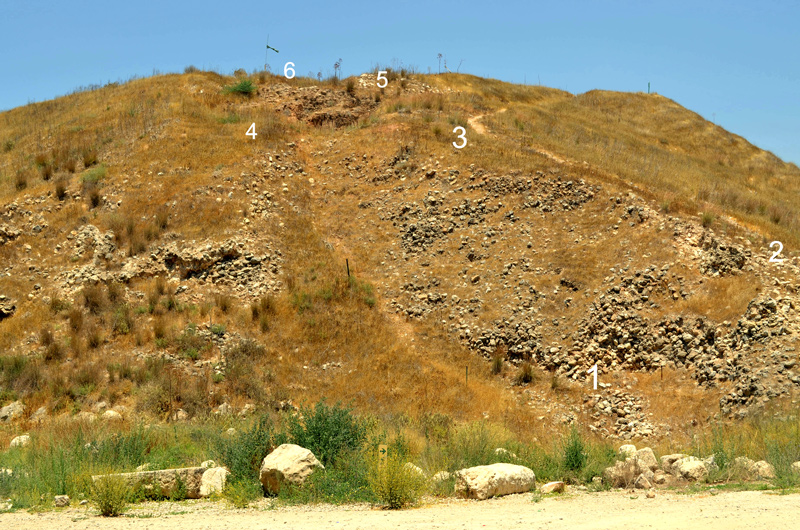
{"points": [[327, 431], [244, 87], [243, 453], [574, 452], [395, 483], [110, 493], [343, 482], [525, 374]]}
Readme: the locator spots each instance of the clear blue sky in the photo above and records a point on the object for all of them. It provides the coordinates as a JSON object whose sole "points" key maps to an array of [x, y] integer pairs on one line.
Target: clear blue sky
{"points": [[732, 61]]}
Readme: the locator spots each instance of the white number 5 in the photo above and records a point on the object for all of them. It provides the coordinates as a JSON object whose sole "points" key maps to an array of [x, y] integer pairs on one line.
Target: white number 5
{"points": [[462, 136], [774, 259], [382, 77]]}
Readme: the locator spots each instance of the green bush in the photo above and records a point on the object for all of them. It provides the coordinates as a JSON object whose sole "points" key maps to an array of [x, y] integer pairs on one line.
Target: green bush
{"points": [[574, 452], [110, 493], [243, 452], [343, 482], [244, 87], [327, 431], [395, 483]]}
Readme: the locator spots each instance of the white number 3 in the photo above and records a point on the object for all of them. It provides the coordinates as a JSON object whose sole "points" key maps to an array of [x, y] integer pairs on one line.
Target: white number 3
{"points": [[462, 136], [774, 258]]}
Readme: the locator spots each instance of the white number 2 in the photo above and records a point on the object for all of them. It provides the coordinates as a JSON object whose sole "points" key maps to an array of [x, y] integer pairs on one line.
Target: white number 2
{"points": [[593, 369], [462, 136], [775, 259], [288, 67], [382, 77], [251, 131]]}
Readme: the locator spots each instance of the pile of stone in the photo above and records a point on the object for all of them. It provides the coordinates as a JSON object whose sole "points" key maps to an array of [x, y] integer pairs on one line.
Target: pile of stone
{"points": [[625, 410], [640, 469], [89, 240]]}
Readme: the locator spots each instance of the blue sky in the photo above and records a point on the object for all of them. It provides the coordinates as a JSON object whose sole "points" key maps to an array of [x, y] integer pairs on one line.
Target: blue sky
{"points": [[733, 62]]}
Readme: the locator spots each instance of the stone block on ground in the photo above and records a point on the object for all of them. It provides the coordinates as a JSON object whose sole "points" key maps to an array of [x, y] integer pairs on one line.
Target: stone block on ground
{"points": [[554, 487], [288, 463], [482, 482], [164, 482]]}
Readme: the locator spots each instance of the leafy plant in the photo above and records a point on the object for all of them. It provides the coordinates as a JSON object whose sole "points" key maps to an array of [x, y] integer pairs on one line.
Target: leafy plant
{"points": [[110, 493], [244, 87], [327, 431], [395, 483]]}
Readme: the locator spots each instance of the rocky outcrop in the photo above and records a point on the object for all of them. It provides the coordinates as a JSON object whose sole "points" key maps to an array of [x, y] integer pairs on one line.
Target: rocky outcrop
{"points": [[7, 308], [691, 469], [287, 464], [12, 411], [482, 482]]}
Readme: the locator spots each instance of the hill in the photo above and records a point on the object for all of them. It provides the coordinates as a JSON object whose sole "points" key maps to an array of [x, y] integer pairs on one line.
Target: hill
{"points": [[157, 260]]}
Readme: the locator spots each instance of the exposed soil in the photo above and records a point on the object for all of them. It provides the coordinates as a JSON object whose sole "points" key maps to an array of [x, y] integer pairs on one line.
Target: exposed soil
{"points": [[728, 510]]}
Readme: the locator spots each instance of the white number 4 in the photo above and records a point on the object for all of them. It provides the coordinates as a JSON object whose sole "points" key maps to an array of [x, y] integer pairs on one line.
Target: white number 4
{"points": [[593, 369], [251, 131], [462, 136], [774, 258], [382, 77]]}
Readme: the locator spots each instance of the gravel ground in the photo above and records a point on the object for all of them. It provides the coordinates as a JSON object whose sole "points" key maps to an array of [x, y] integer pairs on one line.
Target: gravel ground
{"points": [[749, 510]]}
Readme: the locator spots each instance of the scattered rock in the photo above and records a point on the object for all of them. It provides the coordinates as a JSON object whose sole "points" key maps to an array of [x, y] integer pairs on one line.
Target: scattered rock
{"points": [[625, 451], [61, 501], [668, 462], [553, 487], [111, 415]]}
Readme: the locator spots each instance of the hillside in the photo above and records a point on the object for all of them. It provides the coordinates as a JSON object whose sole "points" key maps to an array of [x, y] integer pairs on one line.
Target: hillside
{"points": [[156, 260]]}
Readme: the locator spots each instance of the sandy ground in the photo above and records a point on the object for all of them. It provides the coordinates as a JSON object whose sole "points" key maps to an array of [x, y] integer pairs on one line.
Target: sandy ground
{"points": [[750, 510]]}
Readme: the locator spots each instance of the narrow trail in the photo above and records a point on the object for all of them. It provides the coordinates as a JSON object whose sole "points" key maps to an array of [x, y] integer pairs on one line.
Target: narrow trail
{"points": [[478, 127]]}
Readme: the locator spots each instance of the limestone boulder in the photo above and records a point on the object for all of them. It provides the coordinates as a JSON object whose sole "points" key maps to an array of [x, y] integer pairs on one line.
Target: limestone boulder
{"points": [[796, 467], [111, 415], [626, 451], [12, 411], [691, 469], [622, 474], [668, 462], [213, 481], [23, 440], [164, 482], [761, 470], [645, 460], [288, 463], [482, 482]]}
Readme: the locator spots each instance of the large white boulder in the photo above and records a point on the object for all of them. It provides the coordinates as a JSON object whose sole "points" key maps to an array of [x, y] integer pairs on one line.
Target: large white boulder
{"points": [[288, 463], [482, 482], [761, 470], [691, 468], [621, 474], [213, 481], [796, 467]]}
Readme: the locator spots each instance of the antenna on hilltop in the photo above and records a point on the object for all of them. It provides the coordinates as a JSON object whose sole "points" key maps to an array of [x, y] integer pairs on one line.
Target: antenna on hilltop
{"points": [[266, 54]]}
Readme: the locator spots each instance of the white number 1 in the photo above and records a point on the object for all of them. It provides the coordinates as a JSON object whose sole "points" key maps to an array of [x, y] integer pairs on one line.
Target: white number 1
{"points": [[251, 131], [594, 369]]}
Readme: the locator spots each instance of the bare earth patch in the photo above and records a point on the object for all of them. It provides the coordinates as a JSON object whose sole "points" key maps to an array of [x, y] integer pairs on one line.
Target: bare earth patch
{"points": [[619, 509]]}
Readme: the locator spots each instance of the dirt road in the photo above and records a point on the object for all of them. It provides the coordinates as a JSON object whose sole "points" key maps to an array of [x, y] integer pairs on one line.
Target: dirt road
{"points": [[749, 510]]}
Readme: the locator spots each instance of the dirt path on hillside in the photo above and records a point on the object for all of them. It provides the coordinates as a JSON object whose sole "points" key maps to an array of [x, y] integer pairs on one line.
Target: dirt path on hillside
{"points": [[749, 510], [478, 127]]}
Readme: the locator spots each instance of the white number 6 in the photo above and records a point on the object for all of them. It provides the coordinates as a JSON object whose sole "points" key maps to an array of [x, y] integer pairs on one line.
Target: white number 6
{"points": [[289, 67], [382, 77], [774, 259], [461, 136]]}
